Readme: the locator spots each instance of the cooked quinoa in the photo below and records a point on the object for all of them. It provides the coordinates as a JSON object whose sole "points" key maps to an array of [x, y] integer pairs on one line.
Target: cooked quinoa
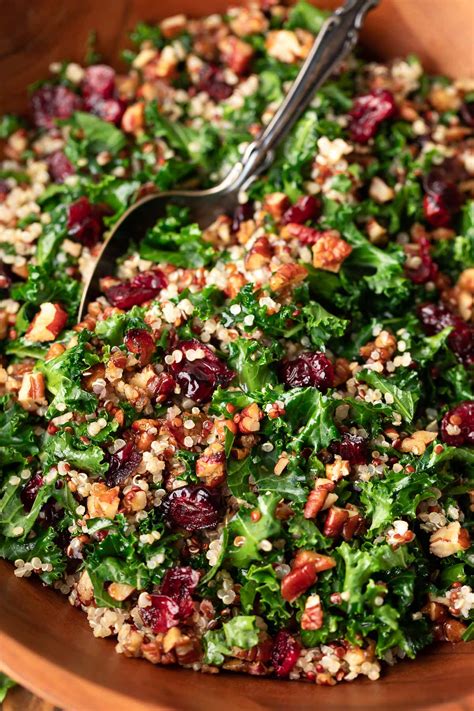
{"points": [[255, 453]]}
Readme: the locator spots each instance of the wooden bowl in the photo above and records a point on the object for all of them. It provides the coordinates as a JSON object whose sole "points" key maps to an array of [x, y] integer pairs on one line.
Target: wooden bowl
{"points": [[46, 644]]}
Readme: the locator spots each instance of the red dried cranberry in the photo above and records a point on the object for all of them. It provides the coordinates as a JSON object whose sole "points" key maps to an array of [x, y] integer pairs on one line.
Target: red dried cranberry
{"points": [[242, 213], [59, 167], [123, 464], [461, 420], [285, 653], [163, 387], [368, 112], [192, 507], [427, 269], [435, 317], [98, 83], [85, 222], [143, 287], [52, 102], [30, 491], [199, 377], [308, 370], [179, 584], [211, 81], [305, 208], [467, 113], [110, 110], [162, 614], [141, 343], [352, 448], [442, 199]]}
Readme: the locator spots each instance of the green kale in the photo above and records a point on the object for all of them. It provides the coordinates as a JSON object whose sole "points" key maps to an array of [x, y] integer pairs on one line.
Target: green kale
{"points": [[96, 135], [261, 589], [253, 363], [112, 330], [43, 286], [5, 685], [253, 532], [42, 546], [172, 241], [306, 16], [404, 401], [64, 446], [17, 437], [309, 418], [240, 631]]}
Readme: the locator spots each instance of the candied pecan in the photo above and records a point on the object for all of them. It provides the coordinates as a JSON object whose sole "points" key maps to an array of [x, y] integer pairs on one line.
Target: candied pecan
{"points": [[297, 581], [259, 255], [335, 520], [320, 561], [317, 497], [288, 275], [312, 618]]}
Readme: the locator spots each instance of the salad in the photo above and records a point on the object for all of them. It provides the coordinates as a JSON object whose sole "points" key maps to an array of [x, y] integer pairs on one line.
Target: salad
{"points": [[255, 452]]}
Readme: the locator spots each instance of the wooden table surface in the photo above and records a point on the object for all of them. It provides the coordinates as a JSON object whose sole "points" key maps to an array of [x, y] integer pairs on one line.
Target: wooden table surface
{"points": [[19, 699]]}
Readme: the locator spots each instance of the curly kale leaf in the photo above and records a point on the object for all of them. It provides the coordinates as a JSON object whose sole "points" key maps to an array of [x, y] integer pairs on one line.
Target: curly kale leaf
{"points": [[112, 330], [17, 438], [253, 532], [240, 631], [404, 400], [261, 593], [43, 286], [42, 546], [252, 361], [309, 417], [64, 446], [173, 241]]}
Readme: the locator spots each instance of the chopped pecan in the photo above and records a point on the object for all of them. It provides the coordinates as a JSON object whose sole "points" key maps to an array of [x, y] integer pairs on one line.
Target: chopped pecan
{"points": [[317, 497], [312, 617], [418, 441], [47, 324], [288, 275], [259, 255], [297, 581], [120, 591], [236, 53], [102, 501], [338, 469], [330, 251], [321, 562], [248, 420], [449, 539], [210, 467], [334, 523], [32, 391], [276, 204]]}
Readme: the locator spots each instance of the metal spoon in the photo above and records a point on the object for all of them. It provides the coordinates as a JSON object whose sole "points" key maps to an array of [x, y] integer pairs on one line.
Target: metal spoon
{"points": [[337, 37]]}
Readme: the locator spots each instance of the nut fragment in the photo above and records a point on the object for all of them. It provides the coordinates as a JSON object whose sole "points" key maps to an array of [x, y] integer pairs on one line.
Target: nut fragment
{"points": [[47, 324], [317, 497], [32, 391], [248, 420], [330, 251], [210, 467], [120, 591], [339, 469], [449, 539], [312, 617], [288, 275], [259, 255], [417, 443], [102, 501], [380, 191]]}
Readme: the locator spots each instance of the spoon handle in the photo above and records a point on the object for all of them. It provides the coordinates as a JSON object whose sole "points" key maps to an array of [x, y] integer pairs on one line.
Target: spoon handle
{"points": [[337, 37]]}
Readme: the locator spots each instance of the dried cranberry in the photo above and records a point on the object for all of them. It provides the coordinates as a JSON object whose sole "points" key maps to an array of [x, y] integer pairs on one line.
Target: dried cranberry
{"points": [[352, 448], [198, 377], [85, 222], [305, 208], [30, 491], [442, 198], [211, 81], [285, 653], [435, 317], [308, 370], [52, 102], [179, 584], [123, 464], [140, 343], [192, 507], [162, 614], [242, 213], [110, 110], [98, 83], [59, 167], [427, 269], [143, 287], [467, 113], [163, 387], [460, 420], [368, 112]]}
